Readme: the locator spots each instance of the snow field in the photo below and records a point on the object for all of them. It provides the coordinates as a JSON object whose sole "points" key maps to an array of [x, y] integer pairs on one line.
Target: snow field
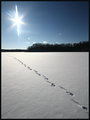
{"points": [[44, 85]]}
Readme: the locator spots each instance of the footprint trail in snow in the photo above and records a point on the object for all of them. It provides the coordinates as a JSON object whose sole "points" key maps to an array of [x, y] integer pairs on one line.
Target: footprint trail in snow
{"points": [[53, 84]]}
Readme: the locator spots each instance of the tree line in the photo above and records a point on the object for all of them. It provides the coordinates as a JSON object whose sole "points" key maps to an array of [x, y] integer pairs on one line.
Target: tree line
{"points": [[40, 47]]}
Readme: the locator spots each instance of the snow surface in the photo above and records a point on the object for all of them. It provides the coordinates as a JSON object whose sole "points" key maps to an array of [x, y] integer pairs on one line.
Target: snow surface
{"points": [[45, 85]]}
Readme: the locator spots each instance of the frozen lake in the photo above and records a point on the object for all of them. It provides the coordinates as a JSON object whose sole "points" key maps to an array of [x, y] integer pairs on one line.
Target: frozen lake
{"points": [[45, 85]]}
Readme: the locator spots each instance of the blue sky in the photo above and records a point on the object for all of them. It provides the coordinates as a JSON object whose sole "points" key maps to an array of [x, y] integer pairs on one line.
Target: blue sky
{"points": [[45, 22]]}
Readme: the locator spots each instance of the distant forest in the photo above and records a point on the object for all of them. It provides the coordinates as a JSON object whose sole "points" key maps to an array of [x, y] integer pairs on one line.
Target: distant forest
{"points": [[40, 47]]}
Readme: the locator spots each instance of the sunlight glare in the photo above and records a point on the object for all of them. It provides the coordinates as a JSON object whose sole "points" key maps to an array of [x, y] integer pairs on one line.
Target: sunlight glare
{"points": [[17, 20]]}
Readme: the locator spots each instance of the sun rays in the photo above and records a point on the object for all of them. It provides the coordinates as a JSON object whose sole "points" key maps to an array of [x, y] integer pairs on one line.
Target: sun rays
{"points": [[17, 20]]}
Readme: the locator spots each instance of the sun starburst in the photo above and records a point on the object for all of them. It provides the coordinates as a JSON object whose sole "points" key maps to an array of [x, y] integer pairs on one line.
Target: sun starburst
{"points": [[17, 20]]}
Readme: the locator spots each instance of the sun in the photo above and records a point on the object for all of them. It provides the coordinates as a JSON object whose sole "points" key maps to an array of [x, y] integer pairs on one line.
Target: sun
{"points": [[17, 20]]}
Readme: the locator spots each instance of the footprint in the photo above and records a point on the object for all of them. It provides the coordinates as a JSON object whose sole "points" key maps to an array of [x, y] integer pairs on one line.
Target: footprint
{"points": [[72, 94], [52, 84], [38, 74], [69, 93], [46, 78], [29, 68], [83, 107]]}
